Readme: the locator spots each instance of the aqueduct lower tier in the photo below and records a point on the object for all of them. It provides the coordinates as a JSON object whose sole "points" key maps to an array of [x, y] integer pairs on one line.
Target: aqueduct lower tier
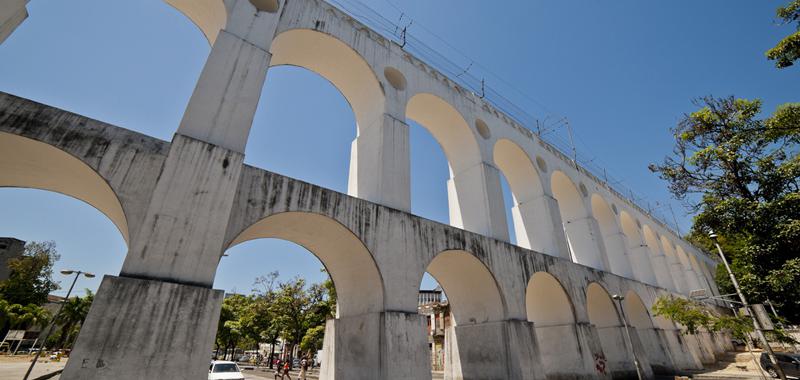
{"points": [[519, 314]]}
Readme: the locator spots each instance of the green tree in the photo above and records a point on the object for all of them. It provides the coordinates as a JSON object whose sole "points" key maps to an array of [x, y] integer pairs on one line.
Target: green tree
{"points": [[15, 316], [695, 316], [739, 173], [297, 309], [787, 51], [72, 317], [31, 277], [230, 332], [313, 340]]}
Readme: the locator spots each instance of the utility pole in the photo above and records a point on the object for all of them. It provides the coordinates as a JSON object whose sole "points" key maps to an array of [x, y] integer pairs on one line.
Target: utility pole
{"points": [[746, 306], [628, 340], [53, 322]]}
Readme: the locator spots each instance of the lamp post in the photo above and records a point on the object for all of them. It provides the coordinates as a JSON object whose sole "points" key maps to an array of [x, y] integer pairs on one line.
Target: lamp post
{"points": [[53, 322], [746, 306], [628, 341]]}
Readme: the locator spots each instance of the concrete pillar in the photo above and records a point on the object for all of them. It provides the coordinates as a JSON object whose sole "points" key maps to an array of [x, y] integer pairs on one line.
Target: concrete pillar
{"points": [[537, 224], [476, 201], [619, 263], [571, 351], [388, 345], [379, 164], [680, 277], [146, 329], [656, 351], [12, 13], [693, 280], [492, 350], [182, 236], [640, 346], [639, 257], [663, 274], [224, 101], [583, 237], [619, 364]]}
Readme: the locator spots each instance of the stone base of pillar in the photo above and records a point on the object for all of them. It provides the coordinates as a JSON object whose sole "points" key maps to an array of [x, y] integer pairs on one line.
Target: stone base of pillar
{"points": [[492, 350], [387, 345], [146, 329]]}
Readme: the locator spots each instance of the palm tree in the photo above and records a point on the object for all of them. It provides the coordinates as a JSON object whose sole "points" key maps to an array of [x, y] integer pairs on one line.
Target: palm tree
{"points": [[72, 316]]}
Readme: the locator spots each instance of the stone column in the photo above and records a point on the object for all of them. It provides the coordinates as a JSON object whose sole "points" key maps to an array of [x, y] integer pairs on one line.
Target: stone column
{"points": [[680, 277], [693, 280], [537, 223], [583, 236], [639, 257], [568, 350], [618, 263], [492, 350], [158, 319], [476, 201], [663, 275], [12, 13], [379, 164], [387, 345]]}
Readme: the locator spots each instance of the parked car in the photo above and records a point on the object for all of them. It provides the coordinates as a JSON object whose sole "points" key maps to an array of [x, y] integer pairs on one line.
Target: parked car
{"points": [[790, 363], [224, 370]]}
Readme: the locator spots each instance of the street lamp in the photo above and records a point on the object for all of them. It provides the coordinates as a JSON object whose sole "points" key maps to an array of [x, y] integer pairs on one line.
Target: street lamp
{"points": [[746, 306], [628, 341], [53, 322]]}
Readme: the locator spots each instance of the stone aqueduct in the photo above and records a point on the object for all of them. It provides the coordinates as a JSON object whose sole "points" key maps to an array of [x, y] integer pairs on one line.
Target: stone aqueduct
{"points": [[539, 309]]}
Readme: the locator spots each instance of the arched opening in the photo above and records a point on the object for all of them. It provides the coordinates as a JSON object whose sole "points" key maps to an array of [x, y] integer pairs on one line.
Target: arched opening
{"points": [[319, 95], [638, 253], [47, 195], [465, 188], [463, 325], [701, 276], [612, 237], [146, 53], [640, 321], [358, 283], [659, 260], [578, 224], [528, 211], [210, 16], [604, 316], [301, 244], [549, 308]]}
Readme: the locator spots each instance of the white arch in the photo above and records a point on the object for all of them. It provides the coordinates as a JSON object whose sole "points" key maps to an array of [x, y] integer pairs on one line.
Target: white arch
{"points": [[658, 258], [546, 301], [448, 127], [28, 163], [209, 15], [351, 266], [636, 311], [337, 62], [470, 287]]}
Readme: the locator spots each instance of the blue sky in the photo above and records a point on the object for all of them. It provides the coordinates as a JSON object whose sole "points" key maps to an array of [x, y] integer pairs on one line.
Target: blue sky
{"points": [[622, 71]]}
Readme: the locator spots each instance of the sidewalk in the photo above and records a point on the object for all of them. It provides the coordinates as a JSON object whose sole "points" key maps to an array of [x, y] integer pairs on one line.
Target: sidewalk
{"points": [[14, 367]]}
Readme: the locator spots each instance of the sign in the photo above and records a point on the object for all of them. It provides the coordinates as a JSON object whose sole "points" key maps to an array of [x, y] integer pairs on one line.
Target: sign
{"points": [[15, 335], [762, 316]]}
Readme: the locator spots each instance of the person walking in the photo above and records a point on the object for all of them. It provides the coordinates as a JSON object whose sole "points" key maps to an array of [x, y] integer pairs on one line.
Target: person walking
{"points": [[286, 367], [303, 368]]}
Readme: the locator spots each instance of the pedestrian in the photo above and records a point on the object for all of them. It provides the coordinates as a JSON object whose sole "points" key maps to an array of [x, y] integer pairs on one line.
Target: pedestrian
{"points": [[286, 368], [303, 368], [278, 369]]}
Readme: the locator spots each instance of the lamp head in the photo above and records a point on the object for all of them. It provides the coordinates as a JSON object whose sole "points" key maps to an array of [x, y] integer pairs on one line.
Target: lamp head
{"points": [[712, 234], [617, 297], [88, 275], [67, 272]]}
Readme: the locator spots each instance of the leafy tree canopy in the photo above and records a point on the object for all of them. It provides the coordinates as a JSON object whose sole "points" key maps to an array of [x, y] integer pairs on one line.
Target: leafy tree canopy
{"points": [[31, 277], [787, 51], [740, 173]]}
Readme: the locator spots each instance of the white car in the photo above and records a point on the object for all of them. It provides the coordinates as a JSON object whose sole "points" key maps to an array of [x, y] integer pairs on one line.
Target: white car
{"points": [[224, 370]]}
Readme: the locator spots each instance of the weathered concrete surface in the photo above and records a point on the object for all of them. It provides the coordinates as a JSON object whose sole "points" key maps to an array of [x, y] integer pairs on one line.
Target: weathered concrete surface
{"points": [[143, 329]]}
